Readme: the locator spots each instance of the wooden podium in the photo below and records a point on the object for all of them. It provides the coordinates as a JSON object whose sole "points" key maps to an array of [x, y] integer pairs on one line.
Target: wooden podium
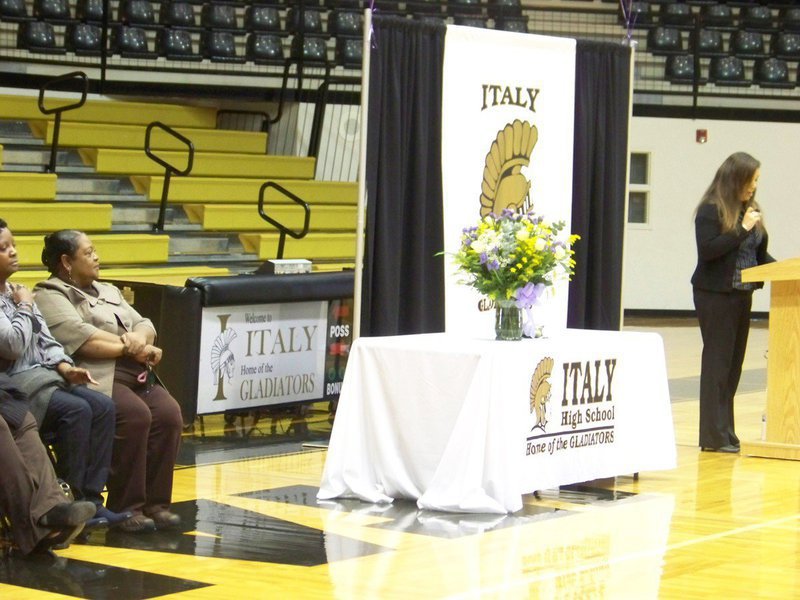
{"points": [[783, 362]]}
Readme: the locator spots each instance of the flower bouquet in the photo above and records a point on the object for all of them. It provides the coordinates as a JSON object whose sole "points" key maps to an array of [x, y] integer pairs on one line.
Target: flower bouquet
{"points": [[512, 259]]}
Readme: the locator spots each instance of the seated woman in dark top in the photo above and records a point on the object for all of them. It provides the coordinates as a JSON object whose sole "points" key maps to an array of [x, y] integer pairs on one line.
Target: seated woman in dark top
{"points": [[81, 419]]}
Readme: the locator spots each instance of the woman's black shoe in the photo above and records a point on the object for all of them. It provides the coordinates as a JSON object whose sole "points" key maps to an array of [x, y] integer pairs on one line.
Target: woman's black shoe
{"points": [[68, 514], [728, 449]]}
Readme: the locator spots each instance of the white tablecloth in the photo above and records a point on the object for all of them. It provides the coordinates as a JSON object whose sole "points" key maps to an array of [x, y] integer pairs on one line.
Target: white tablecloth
{"points": [[448, 420]]}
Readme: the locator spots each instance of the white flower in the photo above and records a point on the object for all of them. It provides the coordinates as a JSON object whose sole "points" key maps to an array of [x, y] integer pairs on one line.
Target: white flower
{"points": [[559, 252], [540, 244], [479, 246], [523, 234]]}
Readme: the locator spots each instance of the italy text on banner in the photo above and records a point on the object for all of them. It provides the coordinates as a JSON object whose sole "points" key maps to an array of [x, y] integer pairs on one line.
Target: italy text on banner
{"points": [[261, 354], [507, 136]]}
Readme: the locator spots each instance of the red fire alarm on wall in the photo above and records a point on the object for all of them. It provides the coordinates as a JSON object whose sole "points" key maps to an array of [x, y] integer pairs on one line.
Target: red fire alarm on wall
{"points": [[701, 136]]}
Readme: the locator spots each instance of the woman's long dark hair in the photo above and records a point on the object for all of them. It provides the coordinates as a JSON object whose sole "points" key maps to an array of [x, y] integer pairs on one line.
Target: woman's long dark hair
{"points": [[56, 244], [725, 191]]}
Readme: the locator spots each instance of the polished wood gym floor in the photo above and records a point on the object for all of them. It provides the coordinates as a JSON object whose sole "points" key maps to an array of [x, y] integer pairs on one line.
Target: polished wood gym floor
{"points": [[717, 526]]}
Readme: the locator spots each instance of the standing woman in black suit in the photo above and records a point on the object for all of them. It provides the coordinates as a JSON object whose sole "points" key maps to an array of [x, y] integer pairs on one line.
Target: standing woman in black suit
{"points": [[730, 237]]}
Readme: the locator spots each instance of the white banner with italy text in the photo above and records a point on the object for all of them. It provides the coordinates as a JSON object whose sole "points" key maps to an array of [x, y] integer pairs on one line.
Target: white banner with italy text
{"points": [[261, 354], [507, 142]]}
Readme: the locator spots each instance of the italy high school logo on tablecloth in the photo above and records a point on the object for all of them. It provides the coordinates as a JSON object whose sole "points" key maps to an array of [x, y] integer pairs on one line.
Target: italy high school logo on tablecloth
{"points": [[585, 414]]}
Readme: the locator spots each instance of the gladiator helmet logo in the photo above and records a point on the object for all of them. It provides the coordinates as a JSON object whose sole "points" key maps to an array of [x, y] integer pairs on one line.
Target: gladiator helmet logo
{"points": [[223, 362], [540, 391], [504, 182]]}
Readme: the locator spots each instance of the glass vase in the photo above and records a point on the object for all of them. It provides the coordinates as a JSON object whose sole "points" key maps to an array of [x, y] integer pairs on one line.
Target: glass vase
{"points": [[508, 320]]}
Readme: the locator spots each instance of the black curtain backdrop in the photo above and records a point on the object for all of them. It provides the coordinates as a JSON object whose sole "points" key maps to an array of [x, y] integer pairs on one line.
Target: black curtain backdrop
{"points": [[403, 279], [602, 88]]}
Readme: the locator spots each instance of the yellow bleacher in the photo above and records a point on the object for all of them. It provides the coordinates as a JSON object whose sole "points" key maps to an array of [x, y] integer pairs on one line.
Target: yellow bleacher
{"points": [[220, 195], [109, 161], [106, 135], [110, 111], [113, 248], [245, 217], [237, 190], [30, 217], [313, 246], [27, 186], [162, 275]]}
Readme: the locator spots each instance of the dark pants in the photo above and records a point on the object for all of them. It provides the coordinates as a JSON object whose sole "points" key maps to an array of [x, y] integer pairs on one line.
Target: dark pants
{"points": [[83, 423], [28, 486], [724, 325], [148, 434]]}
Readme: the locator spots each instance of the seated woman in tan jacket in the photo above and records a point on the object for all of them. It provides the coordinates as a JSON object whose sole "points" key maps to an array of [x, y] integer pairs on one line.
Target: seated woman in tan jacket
{"points": [[104, 334]]}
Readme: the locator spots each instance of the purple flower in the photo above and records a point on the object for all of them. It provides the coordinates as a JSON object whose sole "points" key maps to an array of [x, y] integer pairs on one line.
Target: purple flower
{"points": [[529, 294], [483, 258], [494, 265]]}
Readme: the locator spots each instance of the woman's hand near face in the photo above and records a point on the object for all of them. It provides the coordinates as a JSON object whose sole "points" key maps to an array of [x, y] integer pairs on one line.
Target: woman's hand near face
{"points": [[751, 218], [21, 294]]}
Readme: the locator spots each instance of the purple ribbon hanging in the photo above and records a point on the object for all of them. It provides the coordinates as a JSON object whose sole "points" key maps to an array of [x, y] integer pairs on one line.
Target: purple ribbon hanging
{"points": [[527, 297], [372, 40]]}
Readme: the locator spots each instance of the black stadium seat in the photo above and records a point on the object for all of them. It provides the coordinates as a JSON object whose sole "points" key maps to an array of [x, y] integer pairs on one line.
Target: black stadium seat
{"points": [[424, 7], [137, 13], [664, 40], [347, 23], [785, 45], [262, 18], [772, 73], [790, 19], [727, 70], [176, 44], [311, 20], [84, 39], [464, 7], [177, 14], [349, 52], [516, 24], [13, 10], [312, 49], [756, 18], [89, 11], [131, 42], [640, 14], [52, 11], [470, 21], [38, 36], [707, 42], [679, 69], [676, 15], [221, 17], [499, 9], [265, 48], [717, 16], [747, 44], [219, 46]]}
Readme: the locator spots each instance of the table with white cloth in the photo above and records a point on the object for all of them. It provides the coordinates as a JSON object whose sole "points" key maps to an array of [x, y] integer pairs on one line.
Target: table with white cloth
{"points": [[471, 425]]}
